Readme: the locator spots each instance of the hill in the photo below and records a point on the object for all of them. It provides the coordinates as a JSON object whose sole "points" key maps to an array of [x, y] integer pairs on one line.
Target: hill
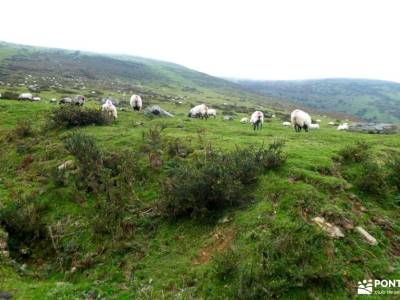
{"points": [[48, 69], [145, 207], [371, 100]]}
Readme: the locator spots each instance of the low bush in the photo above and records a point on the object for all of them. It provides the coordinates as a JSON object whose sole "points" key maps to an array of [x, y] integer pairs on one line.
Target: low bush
{"points": [[283, 258], [215, 180], [69, 116], [89, 159], [10, 95], [23, 219], [355, 153], [372, 179], [394, 168], [23, 129]]}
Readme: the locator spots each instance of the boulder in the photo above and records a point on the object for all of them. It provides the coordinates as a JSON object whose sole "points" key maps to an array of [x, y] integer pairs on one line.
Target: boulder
{"points": [[378, 128], [155, 110]]}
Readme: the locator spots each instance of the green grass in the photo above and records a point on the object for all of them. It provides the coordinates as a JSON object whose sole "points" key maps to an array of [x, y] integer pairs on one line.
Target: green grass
{"points": [[160, 261]]}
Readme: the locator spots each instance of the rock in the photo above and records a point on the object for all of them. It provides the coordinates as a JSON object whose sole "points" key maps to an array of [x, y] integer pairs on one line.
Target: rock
{"points": [[332, 230], [5, 295], [368, 238], [155, 110], [3, 244], [379, 128], [68, 165], [228, 118]]}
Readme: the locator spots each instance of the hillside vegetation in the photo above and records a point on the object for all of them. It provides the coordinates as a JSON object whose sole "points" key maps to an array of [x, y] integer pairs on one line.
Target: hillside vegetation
{"points": [[371, 100], [147, 207]]}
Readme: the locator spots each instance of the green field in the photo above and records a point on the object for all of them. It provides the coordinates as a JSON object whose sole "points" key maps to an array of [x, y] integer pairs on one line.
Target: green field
{"points": [[266, 247]]}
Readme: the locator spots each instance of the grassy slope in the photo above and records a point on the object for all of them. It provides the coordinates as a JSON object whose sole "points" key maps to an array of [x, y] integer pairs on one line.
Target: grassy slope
{"points": [[168, 266], [367, 99]]}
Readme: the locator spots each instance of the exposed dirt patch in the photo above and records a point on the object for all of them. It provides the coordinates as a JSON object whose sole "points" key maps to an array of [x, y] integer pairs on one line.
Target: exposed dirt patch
{"points": [[26, 162], [220, 241]]}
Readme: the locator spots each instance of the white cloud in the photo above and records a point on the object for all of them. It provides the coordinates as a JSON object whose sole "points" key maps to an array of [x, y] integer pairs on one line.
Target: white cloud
{"points": [[279, 39]]}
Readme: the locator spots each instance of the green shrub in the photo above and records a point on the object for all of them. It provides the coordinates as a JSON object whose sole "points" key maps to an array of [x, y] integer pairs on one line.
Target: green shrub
{"points": [[373, 179], [216, 180], [9, 95], [23, 219], [282, 258], [89, 159], [394, 167], [69, 116], [355, 153], [23, 129]]}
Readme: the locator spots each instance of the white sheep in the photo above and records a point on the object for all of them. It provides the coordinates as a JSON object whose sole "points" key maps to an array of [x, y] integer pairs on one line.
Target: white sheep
{"points": [[286, 123], [244, 120], [36, 99], [212, 112], [110, 108], [331, 123], [25, 96], [136, 102], [318, 121], [199, 111], [257, 119], [343, 126], [314, 126], [300, 120]]}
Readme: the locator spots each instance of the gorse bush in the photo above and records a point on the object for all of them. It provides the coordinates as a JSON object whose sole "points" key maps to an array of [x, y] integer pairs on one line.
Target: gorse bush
{"points": [[355, 153], [89, 158], [216, 180], [109, 177], [23, 219], [23, 129], [283, 258], [372, 179], [74, 116]]}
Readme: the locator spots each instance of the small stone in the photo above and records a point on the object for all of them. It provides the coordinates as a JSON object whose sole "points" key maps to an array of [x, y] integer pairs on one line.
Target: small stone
{"points": [[5, 295], [368, 238], [332, 230], [68, 165]]}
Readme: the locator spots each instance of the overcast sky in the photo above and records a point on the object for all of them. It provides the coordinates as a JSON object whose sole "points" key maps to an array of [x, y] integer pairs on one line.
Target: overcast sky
{"points": [[278, 39]]}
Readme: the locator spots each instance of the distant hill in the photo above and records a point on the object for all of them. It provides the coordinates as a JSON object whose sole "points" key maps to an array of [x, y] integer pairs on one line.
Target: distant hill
{"points": [[51, 68], [371, 100]]}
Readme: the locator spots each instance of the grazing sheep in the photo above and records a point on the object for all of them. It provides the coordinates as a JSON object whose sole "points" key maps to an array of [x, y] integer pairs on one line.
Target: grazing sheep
{"points": [[212, 112], [36, 99], [136, 102], [314, 126], [78, 100], [109, 108], [300, 120], [286, 124], [331, 123], [199, 111], [25, 96], [257, 119], [343, 126], [53, 100], [244, 120]]}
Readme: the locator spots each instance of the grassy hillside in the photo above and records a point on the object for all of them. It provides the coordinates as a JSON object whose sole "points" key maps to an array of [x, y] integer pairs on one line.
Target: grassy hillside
{"points": [[69, 239], [58, 70], [371, 100], [179, 208]]}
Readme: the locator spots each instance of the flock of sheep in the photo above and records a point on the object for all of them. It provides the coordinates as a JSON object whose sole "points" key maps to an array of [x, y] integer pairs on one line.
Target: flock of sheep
{"points": [[298, 118]]}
